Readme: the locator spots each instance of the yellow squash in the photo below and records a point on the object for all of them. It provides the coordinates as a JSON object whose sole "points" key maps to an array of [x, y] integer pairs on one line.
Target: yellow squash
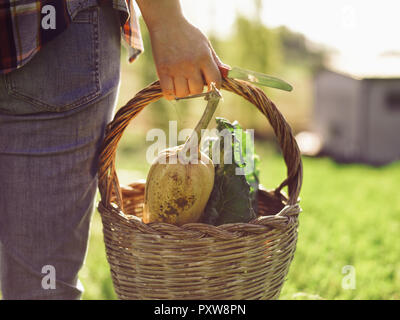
{"points": [[178, 186]]}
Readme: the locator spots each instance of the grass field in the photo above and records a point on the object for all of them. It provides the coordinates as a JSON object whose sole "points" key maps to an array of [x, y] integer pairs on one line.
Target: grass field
{"points": [[351, 217]]}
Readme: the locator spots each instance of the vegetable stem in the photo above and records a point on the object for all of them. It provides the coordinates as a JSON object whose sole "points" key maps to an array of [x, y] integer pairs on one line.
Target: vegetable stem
{"points": [[213, 98]]}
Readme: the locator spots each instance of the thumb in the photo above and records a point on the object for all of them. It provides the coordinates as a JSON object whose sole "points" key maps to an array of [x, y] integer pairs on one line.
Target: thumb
{"points": [[223, 68]]}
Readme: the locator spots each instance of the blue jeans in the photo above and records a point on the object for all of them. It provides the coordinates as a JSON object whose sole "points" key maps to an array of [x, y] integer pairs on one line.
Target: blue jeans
{"points": [[53, 113]]}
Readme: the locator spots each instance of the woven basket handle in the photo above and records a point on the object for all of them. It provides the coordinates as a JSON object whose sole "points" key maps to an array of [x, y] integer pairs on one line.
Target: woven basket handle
{"points": [[108, 180]]}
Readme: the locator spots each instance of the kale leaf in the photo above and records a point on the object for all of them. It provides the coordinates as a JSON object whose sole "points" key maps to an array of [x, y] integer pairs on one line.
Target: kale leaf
{"points": [[234, 195]]}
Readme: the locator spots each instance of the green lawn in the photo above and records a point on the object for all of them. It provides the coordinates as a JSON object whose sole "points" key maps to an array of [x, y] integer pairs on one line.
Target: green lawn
{"points": [[351, 216]]}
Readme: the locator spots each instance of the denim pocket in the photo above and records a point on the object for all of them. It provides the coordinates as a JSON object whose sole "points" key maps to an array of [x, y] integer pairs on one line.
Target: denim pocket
{"points": [[64, 74]]}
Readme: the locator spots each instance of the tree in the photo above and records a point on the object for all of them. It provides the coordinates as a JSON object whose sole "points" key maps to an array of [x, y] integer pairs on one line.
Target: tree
{"points": [[297, 50], [256, 46]]}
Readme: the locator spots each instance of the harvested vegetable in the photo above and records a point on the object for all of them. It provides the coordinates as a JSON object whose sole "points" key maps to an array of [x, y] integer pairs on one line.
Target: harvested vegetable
{"points": [[234, 196], [178, 186]]}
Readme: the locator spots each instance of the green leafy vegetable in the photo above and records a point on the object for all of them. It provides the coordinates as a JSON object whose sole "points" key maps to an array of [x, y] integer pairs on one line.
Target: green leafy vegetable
{"points": [[234, 195]]}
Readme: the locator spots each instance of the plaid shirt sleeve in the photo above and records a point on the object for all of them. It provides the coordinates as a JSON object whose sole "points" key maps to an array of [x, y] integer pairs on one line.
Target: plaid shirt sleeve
{"points": [[130, 29], [22, 34]]}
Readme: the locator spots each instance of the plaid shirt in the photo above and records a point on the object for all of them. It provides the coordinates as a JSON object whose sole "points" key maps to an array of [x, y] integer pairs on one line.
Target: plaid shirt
{"points": [[22, 34]]}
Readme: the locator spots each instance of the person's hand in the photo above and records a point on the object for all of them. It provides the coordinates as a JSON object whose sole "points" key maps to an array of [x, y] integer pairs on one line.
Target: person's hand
{"points": [[184, 58]]}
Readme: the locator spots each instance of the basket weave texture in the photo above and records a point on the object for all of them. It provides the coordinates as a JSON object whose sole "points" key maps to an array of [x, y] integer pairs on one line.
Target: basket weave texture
{"points": [[199, 261]]}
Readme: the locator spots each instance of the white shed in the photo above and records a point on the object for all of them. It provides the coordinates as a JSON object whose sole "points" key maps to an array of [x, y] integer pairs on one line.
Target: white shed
{"points": [[358, 117]]}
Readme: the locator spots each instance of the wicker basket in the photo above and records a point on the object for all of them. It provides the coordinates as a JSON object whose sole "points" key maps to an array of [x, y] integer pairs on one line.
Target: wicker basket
{"points": [[199, 261]]}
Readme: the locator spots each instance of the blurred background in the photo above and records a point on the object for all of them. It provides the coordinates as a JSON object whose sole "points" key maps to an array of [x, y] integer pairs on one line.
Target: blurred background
{"points": [[343, 60]]}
